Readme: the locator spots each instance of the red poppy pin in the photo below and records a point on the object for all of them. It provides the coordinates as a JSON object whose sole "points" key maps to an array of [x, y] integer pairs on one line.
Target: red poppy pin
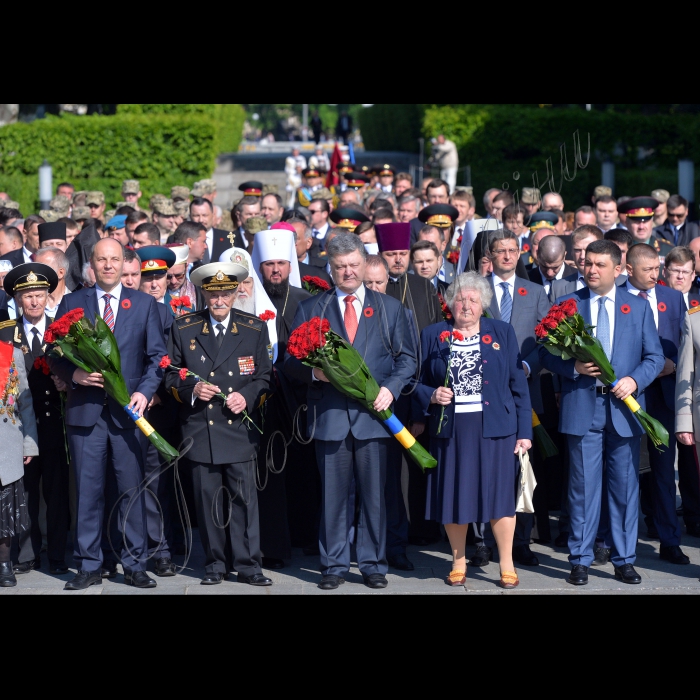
{"points": [[694, 302], [526, 248], [369, 312], [522, 291], [625, 309], [486, 339], [661, 306], [126, 304]]}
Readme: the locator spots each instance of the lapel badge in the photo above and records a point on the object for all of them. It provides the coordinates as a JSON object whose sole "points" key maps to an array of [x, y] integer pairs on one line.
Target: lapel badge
{"points": [[192, 345], [234, 329], [496, 346], [202, 358], [205, 329]]}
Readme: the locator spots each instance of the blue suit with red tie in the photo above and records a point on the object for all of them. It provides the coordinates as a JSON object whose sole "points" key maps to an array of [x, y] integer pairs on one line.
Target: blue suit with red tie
{"points": [[100, 432]]}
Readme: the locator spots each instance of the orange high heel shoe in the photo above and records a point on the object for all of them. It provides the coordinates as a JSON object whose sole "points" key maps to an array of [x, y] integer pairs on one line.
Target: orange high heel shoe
{"points": [[509, 579], [456, 578]]}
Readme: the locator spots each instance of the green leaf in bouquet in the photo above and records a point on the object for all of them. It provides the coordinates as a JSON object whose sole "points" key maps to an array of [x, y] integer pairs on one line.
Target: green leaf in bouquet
{"points": [[69, 352], [108, 340]]}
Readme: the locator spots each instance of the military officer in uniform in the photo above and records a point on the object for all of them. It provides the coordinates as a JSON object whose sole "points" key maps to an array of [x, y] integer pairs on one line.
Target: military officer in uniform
{"points": [[386, 175], [229, 351], [31, 283], [640, 214], [313, 181]]}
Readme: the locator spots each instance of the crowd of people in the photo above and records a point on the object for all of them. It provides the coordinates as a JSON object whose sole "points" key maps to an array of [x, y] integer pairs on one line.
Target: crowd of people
{"points": [[203, 302]]}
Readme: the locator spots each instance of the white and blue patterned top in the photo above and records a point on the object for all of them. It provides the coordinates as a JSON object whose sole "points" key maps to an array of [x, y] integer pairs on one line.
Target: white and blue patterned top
{"points": [[465, 366]]}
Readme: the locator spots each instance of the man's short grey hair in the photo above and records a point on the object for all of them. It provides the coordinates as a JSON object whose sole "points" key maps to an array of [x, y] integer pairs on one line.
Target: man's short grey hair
{"points": [[308, 233], [469, 281], [344, 244], [388, 196], [551, 249], [377, 261], [85, 274], [60, 259], [487, 196]]}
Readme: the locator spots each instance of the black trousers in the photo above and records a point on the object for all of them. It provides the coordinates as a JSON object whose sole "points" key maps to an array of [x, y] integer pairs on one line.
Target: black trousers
{"points": [[47, 474], [227, 507], [689, 483]]}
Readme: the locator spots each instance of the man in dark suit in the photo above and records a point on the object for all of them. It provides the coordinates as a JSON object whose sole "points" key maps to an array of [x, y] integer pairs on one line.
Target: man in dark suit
{"points": [[603, 434], [550, 265], [581, 238], [419, 296], [658, 487], [20, 253], [446, 270], [677, 229], [350, 442], [231, 349], [218, 240], [31, 283], [309, 265], [523, 304], [100, 433]]}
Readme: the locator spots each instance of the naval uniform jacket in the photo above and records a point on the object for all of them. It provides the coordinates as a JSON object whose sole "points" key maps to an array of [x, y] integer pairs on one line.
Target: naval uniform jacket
{"points": [[243, 364]]}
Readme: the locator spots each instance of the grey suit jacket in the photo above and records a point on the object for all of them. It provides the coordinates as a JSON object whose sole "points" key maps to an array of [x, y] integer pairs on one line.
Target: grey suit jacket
{"points": [[19, 438], [530, 306]]}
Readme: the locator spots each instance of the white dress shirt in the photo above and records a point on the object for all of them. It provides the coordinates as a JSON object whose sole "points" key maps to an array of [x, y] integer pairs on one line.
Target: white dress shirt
{"points": [[359, 302], [114, 301], [27, 254], [547, 284], [28, 328], [651, 298], [580, 282], [320, 233], [215, 323], [499, 290], [210, 244], [610, 308], [687, 301]]}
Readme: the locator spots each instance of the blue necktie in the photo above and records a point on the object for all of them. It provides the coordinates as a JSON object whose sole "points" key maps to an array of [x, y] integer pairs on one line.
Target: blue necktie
{"points": [[603, 329], [506, 303], [675, 234]]}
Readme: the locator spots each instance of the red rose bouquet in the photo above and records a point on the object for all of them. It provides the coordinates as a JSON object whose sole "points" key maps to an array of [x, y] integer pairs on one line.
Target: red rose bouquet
{"points": [[94, 349], [316, 345], [565, 334], [315, 285], [181, 305]]}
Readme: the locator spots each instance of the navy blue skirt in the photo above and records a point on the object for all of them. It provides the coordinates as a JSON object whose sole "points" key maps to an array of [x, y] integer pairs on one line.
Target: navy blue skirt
{"points": [[475, 479]]}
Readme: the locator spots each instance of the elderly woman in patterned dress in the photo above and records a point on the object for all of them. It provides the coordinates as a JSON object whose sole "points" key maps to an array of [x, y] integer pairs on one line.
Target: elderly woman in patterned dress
{"points": [[19, 440], [487, 419]]}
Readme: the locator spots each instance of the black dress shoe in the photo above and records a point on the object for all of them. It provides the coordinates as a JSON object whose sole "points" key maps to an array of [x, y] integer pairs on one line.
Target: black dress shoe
{"points": [[57, 568], [674, 554], [26, 566], [330, 582], [562, 540], [627, 574], [109, 569], [482, 556], [83, 580], [652, 532], [602, 556], [255, 580], [138, 579], [523, 555], [400, 562], [693, 529], [7, 576], [375, 581], [269, 563], [165, 567], [212, 579], [578, 575]]}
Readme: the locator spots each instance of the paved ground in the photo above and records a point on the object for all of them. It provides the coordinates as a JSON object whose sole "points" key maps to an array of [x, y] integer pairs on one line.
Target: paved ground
{"points": [[432, 565]]}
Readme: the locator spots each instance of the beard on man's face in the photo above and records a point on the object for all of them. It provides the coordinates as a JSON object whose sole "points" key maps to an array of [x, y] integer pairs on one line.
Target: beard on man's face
{"points": [[276, 290], [245, 304]]}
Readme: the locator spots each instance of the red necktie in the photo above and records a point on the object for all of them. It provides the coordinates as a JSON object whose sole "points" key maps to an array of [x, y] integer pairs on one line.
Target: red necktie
{"points": [[108, 314], [350, 318]]}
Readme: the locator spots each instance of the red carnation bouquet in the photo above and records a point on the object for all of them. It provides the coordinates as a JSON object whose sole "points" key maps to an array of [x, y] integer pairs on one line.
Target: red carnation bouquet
{"points": [[446, 313], [565, 334], [315, 285], [316, 345], [267, 316], [94, 349], [181, 305], [166, 363]]}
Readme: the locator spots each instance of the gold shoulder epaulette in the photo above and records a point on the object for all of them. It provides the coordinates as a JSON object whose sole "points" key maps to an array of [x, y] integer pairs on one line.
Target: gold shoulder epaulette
{"points": [[192, 319], [247, 320], [694, 310]]}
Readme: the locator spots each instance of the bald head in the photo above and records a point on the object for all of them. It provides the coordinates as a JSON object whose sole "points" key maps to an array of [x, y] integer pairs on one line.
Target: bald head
{"points": [[107, 260], [551, 249], [552, 201]]}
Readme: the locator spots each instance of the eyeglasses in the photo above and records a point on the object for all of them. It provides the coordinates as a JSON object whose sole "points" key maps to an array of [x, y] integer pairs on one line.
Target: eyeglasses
{"points": [[678, 272], [503, 251], [315, 211], [675, 216], [173, 276]]}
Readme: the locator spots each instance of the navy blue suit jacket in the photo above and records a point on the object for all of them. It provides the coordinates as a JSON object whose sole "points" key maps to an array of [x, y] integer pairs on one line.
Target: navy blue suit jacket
{"points": [[505, 395], [636, 353], [672, 311], [385, 342], [139, 334]]}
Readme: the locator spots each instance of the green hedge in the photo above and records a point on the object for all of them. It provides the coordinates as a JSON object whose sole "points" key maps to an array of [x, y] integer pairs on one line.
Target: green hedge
{"points": [[228, 118], [498, 141], [98, 152], [391, 127]]}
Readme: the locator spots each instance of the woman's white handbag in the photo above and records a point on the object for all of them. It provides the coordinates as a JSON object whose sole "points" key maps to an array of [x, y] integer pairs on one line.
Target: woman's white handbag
{"points": [[526, 485]]}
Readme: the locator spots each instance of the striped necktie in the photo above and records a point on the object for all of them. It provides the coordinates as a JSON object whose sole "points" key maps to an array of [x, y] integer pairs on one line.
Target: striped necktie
{"points": [[108, 314], [506, 303]]}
